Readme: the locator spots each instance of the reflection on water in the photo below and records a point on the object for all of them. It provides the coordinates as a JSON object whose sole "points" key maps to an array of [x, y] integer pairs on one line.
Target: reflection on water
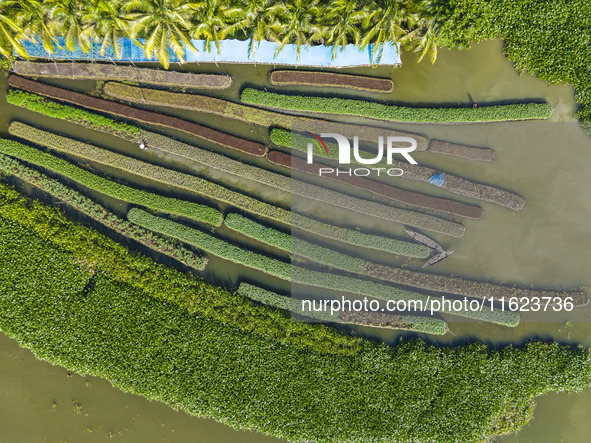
{"points": [[546, 243]]}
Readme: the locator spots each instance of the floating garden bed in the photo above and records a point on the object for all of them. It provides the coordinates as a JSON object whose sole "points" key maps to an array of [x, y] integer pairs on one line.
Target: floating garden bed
{"points": [[98, 213], [109, 71], [452, 183], [397, 194], [433, 326], [198, 212], [212, 161], [382, 111], [394, 274], [248, 114], [330, 79], [470, 288], [154, 118]]}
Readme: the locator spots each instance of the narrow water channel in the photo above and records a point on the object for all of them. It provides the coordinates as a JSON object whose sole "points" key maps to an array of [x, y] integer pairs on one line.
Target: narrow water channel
{"points": [[547, 243]]}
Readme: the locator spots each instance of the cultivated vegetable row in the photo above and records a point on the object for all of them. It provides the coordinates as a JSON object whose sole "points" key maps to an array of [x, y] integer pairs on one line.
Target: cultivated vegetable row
{"points": [[382, 111]]}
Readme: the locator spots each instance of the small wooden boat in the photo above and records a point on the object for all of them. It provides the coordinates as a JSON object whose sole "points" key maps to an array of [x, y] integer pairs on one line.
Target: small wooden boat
{"points": [[437, 258], [424, 240]]}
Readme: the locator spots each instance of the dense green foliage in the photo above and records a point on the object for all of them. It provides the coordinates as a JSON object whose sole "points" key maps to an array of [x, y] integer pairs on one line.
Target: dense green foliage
{"points": [[549, 39], [88, 207], [297, 246], [382, 111], [101, 254], [412, 392], [113, 189], [91, 120]]}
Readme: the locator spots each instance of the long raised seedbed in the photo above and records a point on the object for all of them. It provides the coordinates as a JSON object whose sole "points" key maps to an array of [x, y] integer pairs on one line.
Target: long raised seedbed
{"points": [[394, 274], [397, 194], [110, 71], [452, 183], [154, 118], [211, 161], [330, 79], [433, 326], [90, 208], [195, 211], [298, 275], [382, 111]]}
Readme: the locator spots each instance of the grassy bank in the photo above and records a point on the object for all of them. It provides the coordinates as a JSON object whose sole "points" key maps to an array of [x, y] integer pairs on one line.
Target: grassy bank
{"points": [[156, 349], [381, 111]]}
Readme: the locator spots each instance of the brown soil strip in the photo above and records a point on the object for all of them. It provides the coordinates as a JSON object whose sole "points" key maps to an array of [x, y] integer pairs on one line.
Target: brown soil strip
{"points": [[331, 79], [129, 112], [249, 114], [465, 287], [462, 151], [109, 71], [382, 189]]}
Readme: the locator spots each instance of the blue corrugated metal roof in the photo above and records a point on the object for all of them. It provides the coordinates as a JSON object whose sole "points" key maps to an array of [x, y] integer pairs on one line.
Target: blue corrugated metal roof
{"points": [[231, 51]]}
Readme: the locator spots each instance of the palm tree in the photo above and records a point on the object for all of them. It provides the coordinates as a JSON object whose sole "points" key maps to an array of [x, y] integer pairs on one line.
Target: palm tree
{"points": [[256, 20], [65, 21], [164, 24], [210, 22], [9, 31], [387, 23], [343, 19], [33, 19], [421, 35], [298, 22], [104, 22]]}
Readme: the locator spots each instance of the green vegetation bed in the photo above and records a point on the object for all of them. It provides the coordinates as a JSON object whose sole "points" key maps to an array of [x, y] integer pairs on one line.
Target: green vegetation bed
{"points": [[382, 111], [393, 193], [86, 206], [109, 71], [431, 326], [330, 79], [293, 244], [295, 274], [210, 161], [158, 350], [195, 211], [411, 218], [453, 183]]}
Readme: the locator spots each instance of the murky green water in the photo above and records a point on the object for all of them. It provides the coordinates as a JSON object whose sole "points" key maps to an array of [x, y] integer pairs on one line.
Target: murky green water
{"points": [[547, 243]]}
